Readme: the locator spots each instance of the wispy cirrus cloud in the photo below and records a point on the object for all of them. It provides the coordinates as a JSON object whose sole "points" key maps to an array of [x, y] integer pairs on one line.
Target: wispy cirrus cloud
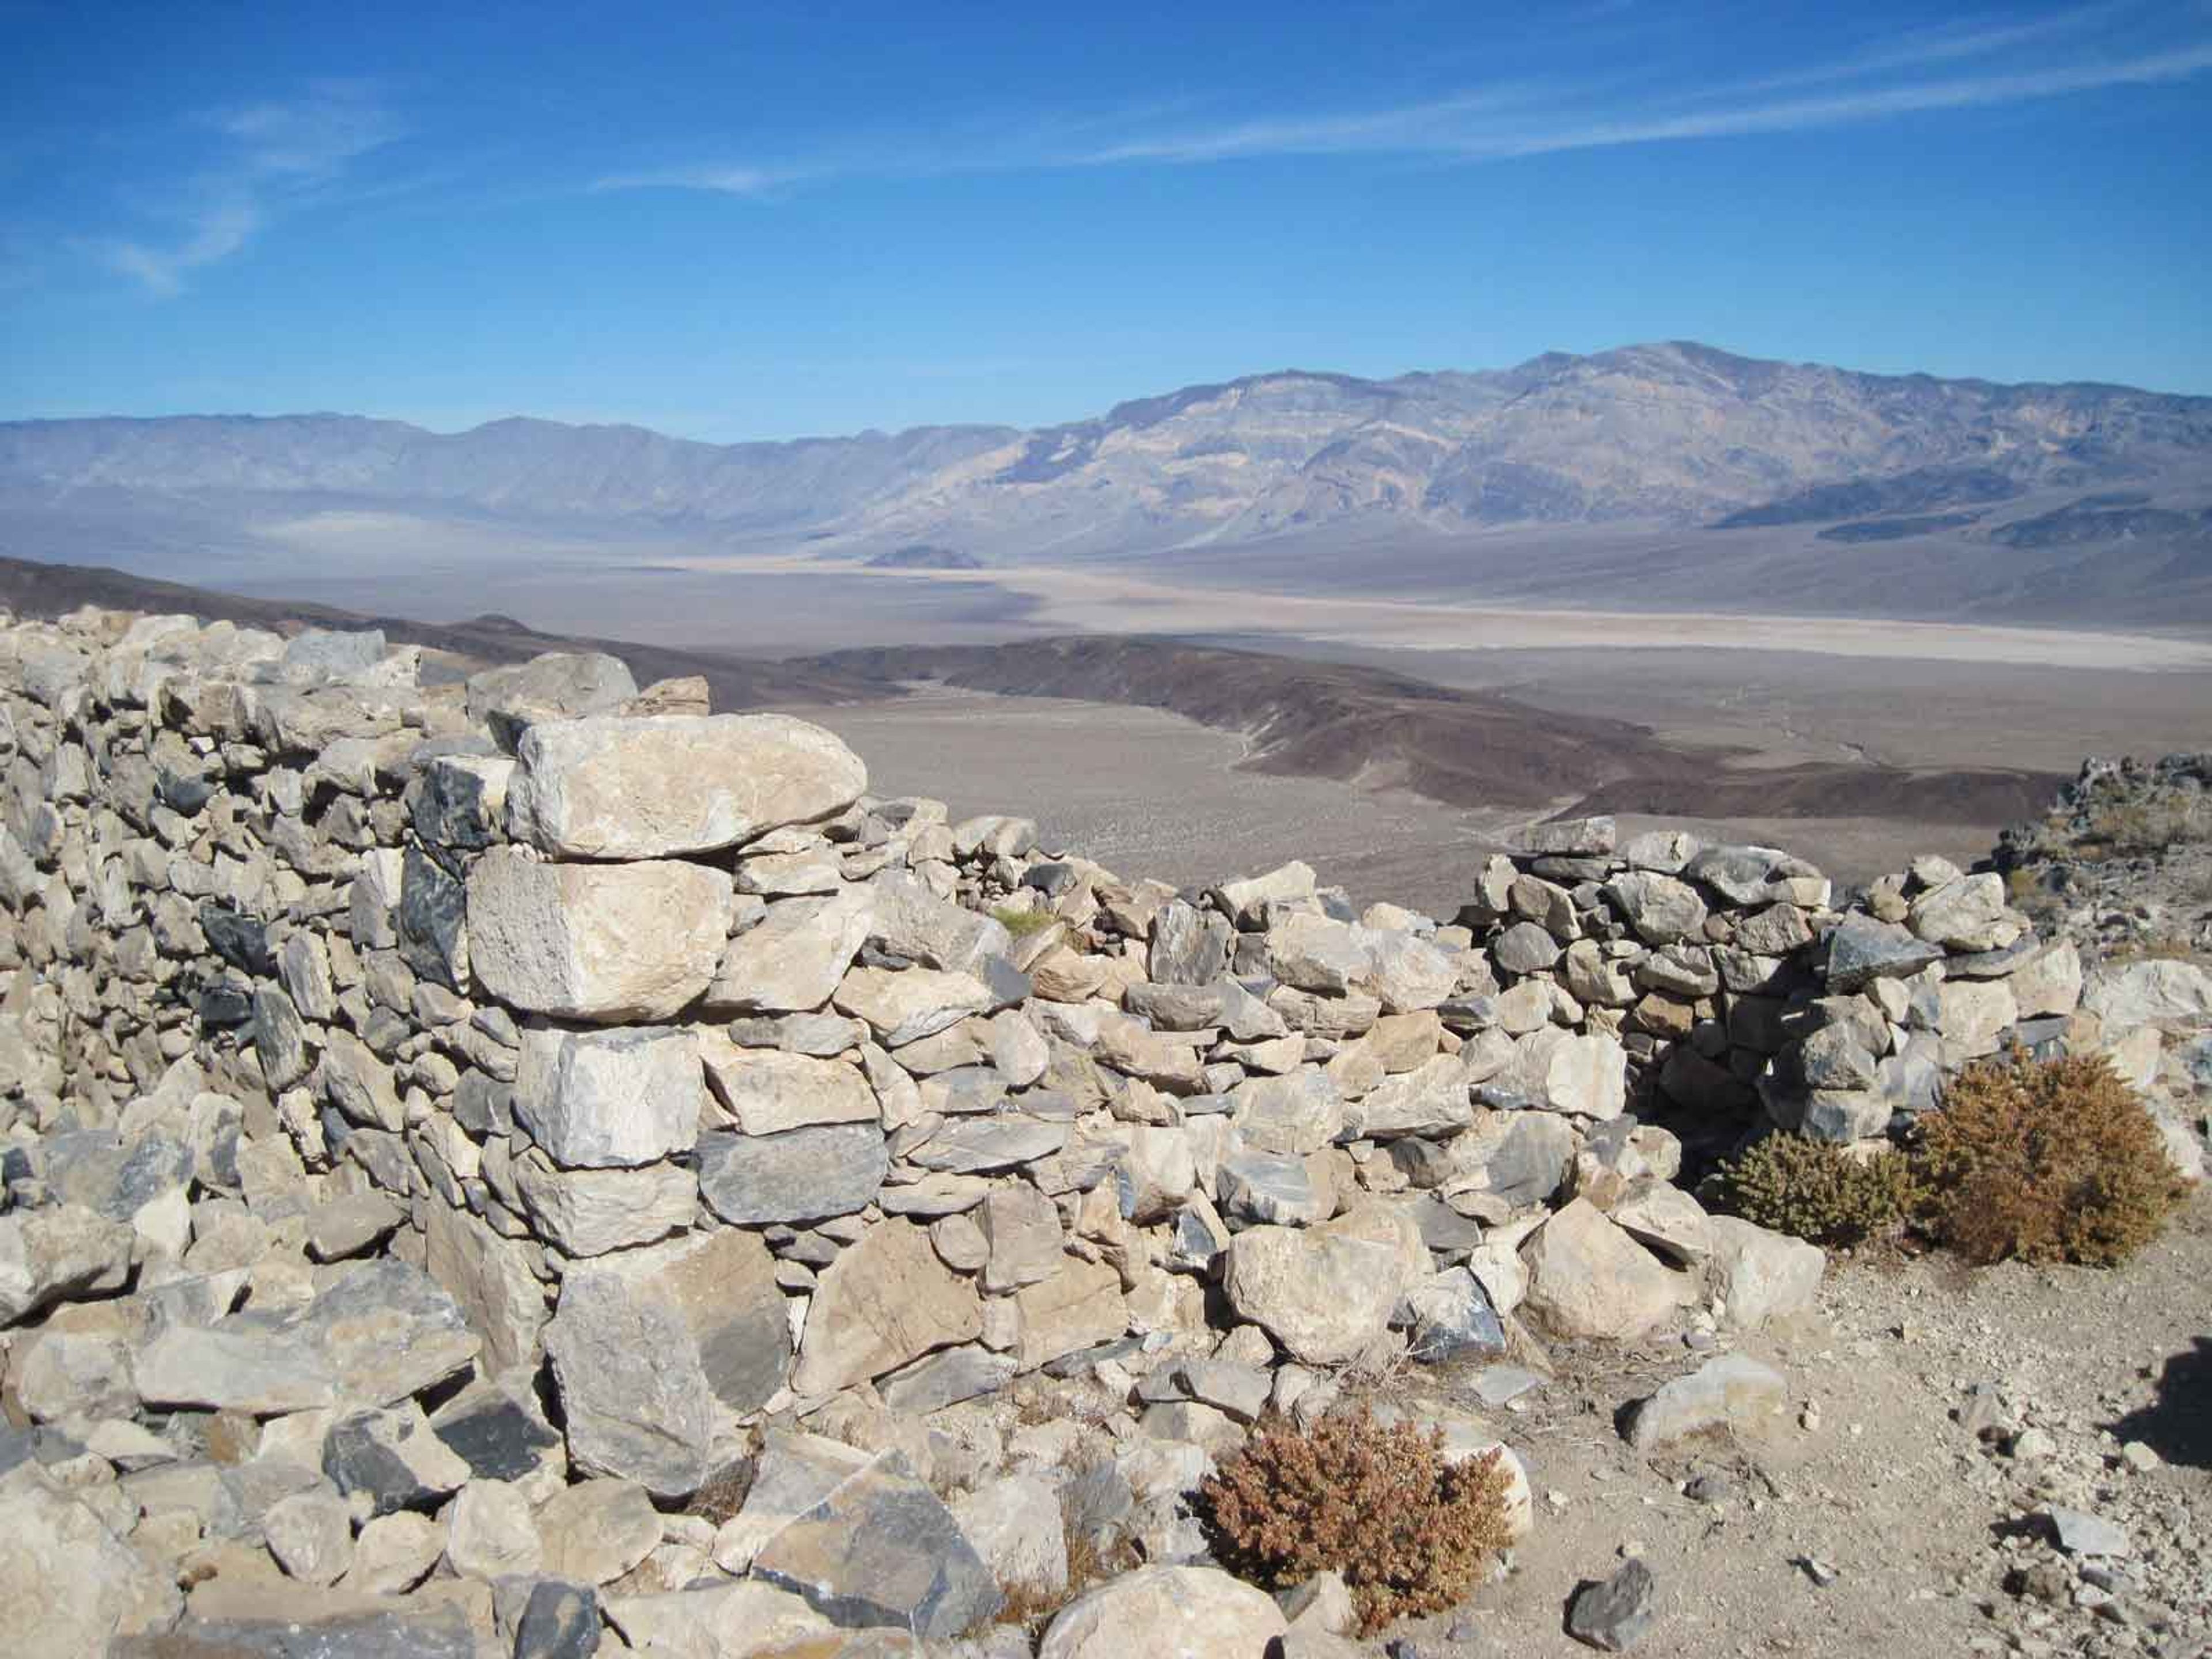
{"points": [[268, 159], [1961, 65]]}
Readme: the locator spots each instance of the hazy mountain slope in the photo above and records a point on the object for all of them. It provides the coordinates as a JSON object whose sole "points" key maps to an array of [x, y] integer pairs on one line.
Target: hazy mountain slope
{"points": [[1740, 463]]}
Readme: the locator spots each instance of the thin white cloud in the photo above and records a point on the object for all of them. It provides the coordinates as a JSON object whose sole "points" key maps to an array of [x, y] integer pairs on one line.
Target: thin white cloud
{"points": [[273, 157], [1416, 130], [2007, 62], [724, 180]]}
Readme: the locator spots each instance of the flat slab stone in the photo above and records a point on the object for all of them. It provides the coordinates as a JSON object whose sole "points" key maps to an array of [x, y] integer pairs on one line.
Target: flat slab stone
{"points": [[611, 787], [801, 1175]]}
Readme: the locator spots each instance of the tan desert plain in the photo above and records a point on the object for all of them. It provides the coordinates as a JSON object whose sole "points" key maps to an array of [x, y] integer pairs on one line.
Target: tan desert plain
{"points": [[1143, 789]]}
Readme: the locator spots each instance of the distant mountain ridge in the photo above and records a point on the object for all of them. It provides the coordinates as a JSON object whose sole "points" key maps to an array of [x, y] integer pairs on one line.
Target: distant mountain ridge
{"points": [[1676, 435]]}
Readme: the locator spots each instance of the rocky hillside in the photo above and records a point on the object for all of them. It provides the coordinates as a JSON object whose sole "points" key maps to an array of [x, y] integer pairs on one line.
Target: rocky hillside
{"points": [[526, 1166]]}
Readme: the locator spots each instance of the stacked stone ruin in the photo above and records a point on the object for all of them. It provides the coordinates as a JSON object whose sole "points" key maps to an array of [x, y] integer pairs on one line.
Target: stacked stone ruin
{"points": [[449, 1125]]}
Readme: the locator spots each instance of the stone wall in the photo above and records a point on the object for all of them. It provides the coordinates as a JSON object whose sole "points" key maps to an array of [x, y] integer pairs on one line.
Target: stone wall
{"points": [[614, 1083]]}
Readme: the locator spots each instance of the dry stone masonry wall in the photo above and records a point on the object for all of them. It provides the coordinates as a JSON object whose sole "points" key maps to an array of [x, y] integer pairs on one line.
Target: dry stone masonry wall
{"points": [[449, 1125]]}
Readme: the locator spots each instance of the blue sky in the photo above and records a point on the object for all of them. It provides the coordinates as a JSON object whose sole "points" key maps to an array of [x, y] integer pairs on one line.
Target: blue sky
{"points": [[734, 220]]}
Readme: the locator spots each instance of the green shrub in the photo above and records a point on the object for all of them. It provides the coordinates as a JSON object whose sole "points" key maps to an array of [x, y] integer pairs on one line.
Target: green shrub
{"points": [[1021, 921], [1409, 1532], [2043, 1161], [1813, 1190]]}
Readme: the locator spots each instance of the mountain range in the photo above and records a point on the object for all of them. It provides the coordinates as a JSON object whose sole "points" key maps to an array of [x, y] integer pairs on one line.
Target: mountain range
{"points": [[1669, 438]]}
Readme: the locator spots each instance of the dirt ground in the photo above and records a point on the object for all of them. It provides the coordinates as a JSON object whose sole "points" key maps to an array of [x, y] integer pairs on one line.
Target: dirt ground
{"points": [[1869, 1473]]}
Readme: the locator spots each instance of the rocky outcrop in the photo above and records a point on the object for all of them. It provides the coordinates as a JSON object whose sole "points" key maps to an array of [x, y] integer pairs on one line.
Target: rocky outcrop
{"points": [[482, 1171]]}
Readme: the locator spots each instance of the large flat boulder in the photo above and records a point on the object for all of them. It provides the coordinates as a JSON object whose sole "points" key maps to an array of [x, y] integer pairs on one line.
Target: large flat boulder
{"points": [[611, 787], [607, 943], [886, 1301]]}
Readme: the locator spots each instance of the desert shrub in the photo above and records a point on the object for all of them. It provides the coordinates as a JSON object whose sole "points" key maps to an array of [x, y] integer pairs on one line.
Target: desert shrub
{"points": [[1409, 1532], [2043, 1161], [2152, 826], [1020, 921], [1814, 1190], [724, 1493]]}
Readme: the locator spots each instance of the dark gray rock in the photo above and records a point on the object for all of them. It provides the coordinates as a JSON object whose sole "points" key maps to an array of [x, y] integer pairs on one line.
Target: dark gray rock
{"points": [[1451, 1318], [393, 1458], [1861, 949], [497, 1430], [879, 1549], [433, 917], [1614, 1615], [432, 1633], [238, 939], [801, 1175], [560, 1621]]}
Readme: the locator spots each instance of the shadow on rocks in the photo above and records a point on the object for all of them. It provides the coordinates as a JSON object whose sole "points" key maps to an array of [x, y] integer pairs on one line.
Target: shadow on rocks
{"points": [[2178, 1424]]}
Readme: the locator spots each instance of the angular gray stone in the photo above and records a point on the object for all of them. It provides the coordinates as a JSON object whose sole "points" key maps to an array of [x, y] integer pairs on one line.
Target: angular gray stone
{"points": [[1450, 1317], [590, 1211], [1021, 1228], [978, 1146], [1661, 908], [433, 921], [609, 943], [795, 956], [57, 1254], [946, 1378], [1588, 1278], [801, 1175], [1614, 1615], [1861, 949], [1965, 914], [1325, 1292], [1291, 1116], [1190, 1612], [1190, 946], [721, 1287], [877, 1549], [606, 1099], [1269, 1187], [632, 1389], [388, 1457], [904, 1005], [884, 1302], [558, 685], [1525, 948]]}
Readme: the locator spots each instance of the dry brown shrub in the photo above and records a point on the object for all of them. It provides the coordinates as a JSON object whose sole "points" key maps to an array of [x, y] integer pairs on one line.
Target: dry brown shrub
{"points": [[2043, 1161], [1409, 1532], [724, 1493]]}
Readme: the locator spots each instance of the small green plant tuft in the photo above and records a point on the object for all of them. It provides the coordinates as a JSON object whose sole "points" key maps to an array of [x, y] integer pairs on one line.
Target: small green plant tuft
{"points": [[1813, 1190], [1021, 921], [1409, 1532], [2043, 1161]]}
